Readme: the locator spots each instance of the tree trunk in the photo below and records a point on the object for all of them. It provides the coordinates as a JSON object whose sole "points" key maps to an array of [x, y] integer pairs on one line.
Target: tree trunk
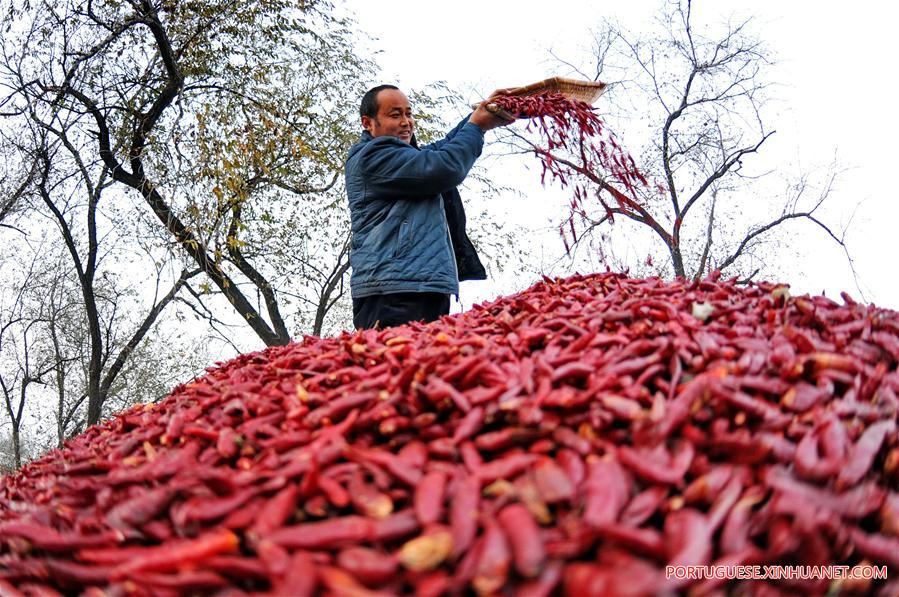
{"points": [[61, 411], [677, 260], [95, 367], [17, 448], [94, 399], [60, 387]]}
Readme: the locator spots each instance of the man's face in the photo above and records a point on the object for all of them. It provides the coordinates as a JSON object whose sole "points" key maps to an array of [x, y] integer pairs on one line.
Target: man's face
{"points": [[394, 117]]}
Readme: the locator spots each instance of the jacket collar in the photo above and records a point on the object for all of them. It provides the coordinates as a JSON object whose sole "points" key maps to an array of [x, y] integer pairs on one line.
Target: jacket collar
{"points": [[365, 137]]}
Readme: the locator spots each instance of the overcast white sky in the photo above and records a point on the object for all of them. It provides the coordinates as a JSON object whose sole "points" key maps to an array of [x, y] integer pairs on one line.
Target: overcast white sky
{"points": [[837, 97]]}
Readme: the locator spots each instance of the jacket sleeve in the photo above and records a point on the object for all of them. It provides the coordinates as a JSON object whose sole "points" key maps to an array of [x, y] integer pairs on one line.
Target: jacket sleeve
{"points": [[449, 135], [397, 169]]}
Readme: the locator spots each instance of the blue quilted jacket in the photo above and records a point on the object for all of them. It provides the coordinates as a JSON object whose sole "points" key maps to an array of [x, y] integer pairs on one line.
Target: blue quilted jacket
{"points": [[400, 238]]}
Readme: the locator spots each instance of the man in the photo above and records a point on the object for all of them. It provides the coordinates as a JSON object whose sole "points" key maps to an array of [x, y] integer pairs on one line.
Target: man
{"points": [[409, 248]]}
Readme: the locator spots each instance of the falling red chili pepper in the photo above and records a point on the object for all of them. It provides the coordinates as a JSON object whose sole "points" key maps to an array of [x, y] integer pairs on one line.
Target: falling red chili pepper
{"points": [[576, 145]]}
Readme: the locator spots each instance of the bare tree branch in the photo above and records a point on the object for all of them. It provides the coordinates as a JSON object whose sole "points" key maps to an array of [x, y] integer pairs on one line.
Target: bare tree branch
{"points": [[708, 240], [723, 169], [8, 203], [113, 371], [325, 301]]}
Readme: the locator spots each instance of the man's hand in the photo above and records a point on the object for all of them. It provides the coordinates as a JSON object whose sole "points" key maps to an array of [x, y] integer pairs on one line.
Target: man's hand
{"points": [[484, 118]]}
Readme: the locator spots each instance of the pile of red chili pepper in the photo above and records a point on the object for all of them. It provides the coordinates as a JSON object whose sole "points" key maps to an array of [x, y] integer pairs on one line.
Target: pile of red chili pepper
{"points": [[576, 438], [578, 149]]}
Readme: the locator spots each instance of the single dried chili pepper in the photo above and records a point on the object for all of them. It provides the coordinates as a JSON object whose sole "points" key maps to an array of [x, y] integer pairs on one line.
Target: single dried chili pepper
{"points": [[671, 473], [399, 469], [429, 496], [183, 553], [40, 537], [438, 389], [623, 408], [492, 441], [175, 460], [505, 468], [414, 453], [783, 539], [286, 441], [545, 584], [110, 555], [138, 510], [68, 572], [524, 539], [863, 453], [825, 360], [777, 445], [492, 569], [525, 490], [371, 566], [367, 500], [643, 505], [889, 514], [463, 515], [854, 503], [323, 534], [803, 396], [335, 409], [204, 509], [573, 465], [237, 566], [571, 439], [688, 538], [888, 342], [724, 502], [182, 582], [443, 447], [677, 410], [339, 582], [334, 491], [471, 457], [878, 547], [160, 530], [585, 579], [552, 482], [398, 525], [606, 492], [276, 512], [809, 465], [706, 487], [432, 584], [645, 540], [469, 425], [770, 414]]}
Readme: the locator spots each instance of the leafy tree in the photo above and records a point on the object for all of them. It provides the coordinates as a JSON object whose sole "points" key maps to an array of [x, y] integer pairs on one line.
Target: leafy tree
{"points": [[209, 111]]}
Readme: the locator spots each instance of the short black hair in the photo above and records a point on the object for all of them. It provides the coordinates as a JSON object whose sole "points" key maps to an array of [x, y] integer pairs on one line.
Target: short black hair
{"points": [[369, 105]]}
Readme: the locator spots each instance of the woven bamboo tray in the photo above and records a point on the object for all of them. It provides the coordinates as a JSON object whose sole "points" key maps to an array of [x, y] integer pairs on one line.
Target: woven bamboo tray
{"points": [[585, 91]]}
